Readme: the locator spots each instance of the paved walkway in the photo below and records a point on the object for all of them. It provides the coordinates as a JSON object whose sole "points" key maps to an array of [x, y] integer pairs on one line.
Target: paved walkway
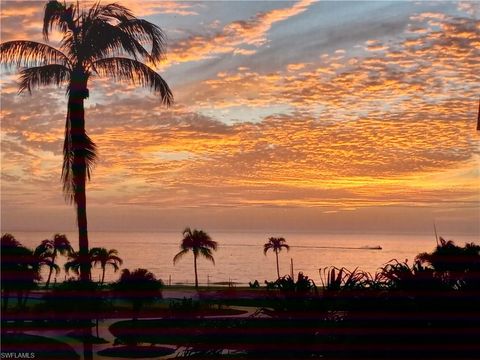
{"points": [[104, 332]]}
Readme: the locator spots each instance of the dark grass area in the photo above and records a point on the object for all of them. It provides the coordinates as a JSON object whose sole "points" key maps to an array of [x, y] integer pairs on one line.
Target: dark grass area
{"points": [[344, 323], [37, 347], [78, 335], [368, 327]]}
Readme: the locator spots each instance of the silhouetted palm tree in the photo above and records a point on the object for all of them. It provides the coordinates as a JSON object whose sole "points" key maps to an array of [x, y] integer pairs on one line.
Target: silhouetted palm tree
{"points": [[44, 256], [105, 40], [275, 244], [105, 257], [10, 264], [58, 245], [75, 262], [200, 243], [20, 269]]}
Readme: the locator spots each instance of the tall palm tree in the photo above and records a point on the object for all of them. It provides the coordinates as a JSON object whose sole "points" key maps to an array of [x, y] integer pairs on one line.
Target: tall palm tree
{"points": [[200, 243], [275, 244], [105, 40], [58, 245], [105, 257]]}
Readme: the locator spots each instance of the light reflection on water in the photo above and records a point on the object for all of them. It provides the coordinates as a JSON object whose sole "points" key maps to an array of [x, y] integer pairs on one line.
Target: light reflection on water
{"points": [[240, 256]]}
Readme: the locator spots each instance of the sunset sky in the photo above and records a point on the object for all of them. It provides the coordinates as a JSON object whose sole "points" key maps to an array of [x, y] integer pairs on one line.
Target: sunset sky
{"points": [[288, 116]]}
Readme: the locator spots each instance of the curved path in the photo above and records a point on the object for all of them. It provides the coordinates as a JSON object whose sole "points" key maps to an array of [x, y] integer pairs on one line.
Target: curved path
{"points": [[104, 332]]}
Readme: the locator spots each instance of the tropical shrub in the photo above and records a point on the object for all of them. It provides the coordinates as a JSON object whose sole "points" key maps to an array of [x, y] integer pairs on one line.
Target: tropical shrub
{"points": [[74, 303], [401, 276], [458, 267], [138, 287], [19, 272]]}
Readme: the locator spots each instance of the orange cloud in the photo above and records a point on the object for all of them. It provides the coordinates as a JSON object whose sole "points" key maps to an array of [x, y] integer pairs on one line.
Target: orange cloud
{"points": [[390, 127]]}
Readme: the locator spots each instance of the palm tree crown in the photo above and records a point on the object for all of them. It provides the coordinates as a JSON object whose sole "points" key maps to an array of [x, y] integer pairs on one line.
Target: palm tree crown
{"points": [[43, 256], [76, 261], [104, 257], [200, 243], [276, 245], [105, 40], [58, 245]]}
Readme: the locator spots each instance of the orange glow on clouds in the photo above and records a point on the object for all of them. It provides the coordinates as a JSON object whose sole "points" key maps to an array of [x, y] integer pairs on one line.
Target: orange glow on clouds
{"points": [[383, 122]]}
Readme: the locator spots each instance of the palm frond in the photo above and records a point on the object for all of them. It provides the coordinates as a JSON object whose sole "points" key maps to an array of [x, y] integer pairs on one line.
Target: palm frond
{"points": [[207, 253], [21, 53], [136, 73], [43, 250], [110, 11], [73, 265], [102, 39], [115, 260], [47, 243], [146, 33], [267, 247], [35, 77], [77, 147], [114, 265], [179, 255], [58, 16], [204, 240], [275, 244], [187, 232], [68, 46], [62, 245], [285, 246]]}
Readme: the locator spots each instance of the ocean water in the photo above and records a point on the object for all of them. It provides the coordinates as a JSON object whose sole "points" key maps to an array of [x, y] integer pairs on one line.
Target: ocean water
{"points": [[240, 257]]}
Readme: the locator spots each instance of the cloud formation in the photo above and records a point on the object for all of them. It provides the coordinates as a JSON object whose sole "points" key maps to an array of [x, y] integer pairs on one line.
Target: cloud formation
{"points": [[387, 122]]}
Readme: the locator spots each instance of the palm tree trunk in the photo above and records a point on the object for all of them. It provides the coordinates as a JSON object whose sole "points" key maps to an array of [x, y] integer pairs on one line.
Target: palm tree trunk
{"points": [[87, 343], [103, 274], [278, 268], [49, 276], [51, 269], [79, 146], [83, 232], [79, 139], [195, 267], [25, 299]]}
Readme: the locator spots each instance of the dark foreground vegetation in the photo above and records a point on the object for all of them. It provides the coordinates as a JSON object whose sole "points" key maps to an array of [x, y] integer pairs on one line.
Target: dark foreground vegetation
{"points": [[428, 309]]}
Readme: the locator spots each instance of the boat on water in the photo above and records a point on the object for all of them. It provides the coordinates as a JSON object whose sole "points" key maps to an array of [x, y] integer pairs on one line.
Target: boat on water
{"points": [[377, 247]]}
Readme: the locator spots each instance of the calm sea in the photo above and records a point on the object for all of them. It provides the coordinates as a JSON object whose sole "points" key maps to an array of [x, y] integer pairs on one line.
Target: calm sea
{"points": [[240, 257]]}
